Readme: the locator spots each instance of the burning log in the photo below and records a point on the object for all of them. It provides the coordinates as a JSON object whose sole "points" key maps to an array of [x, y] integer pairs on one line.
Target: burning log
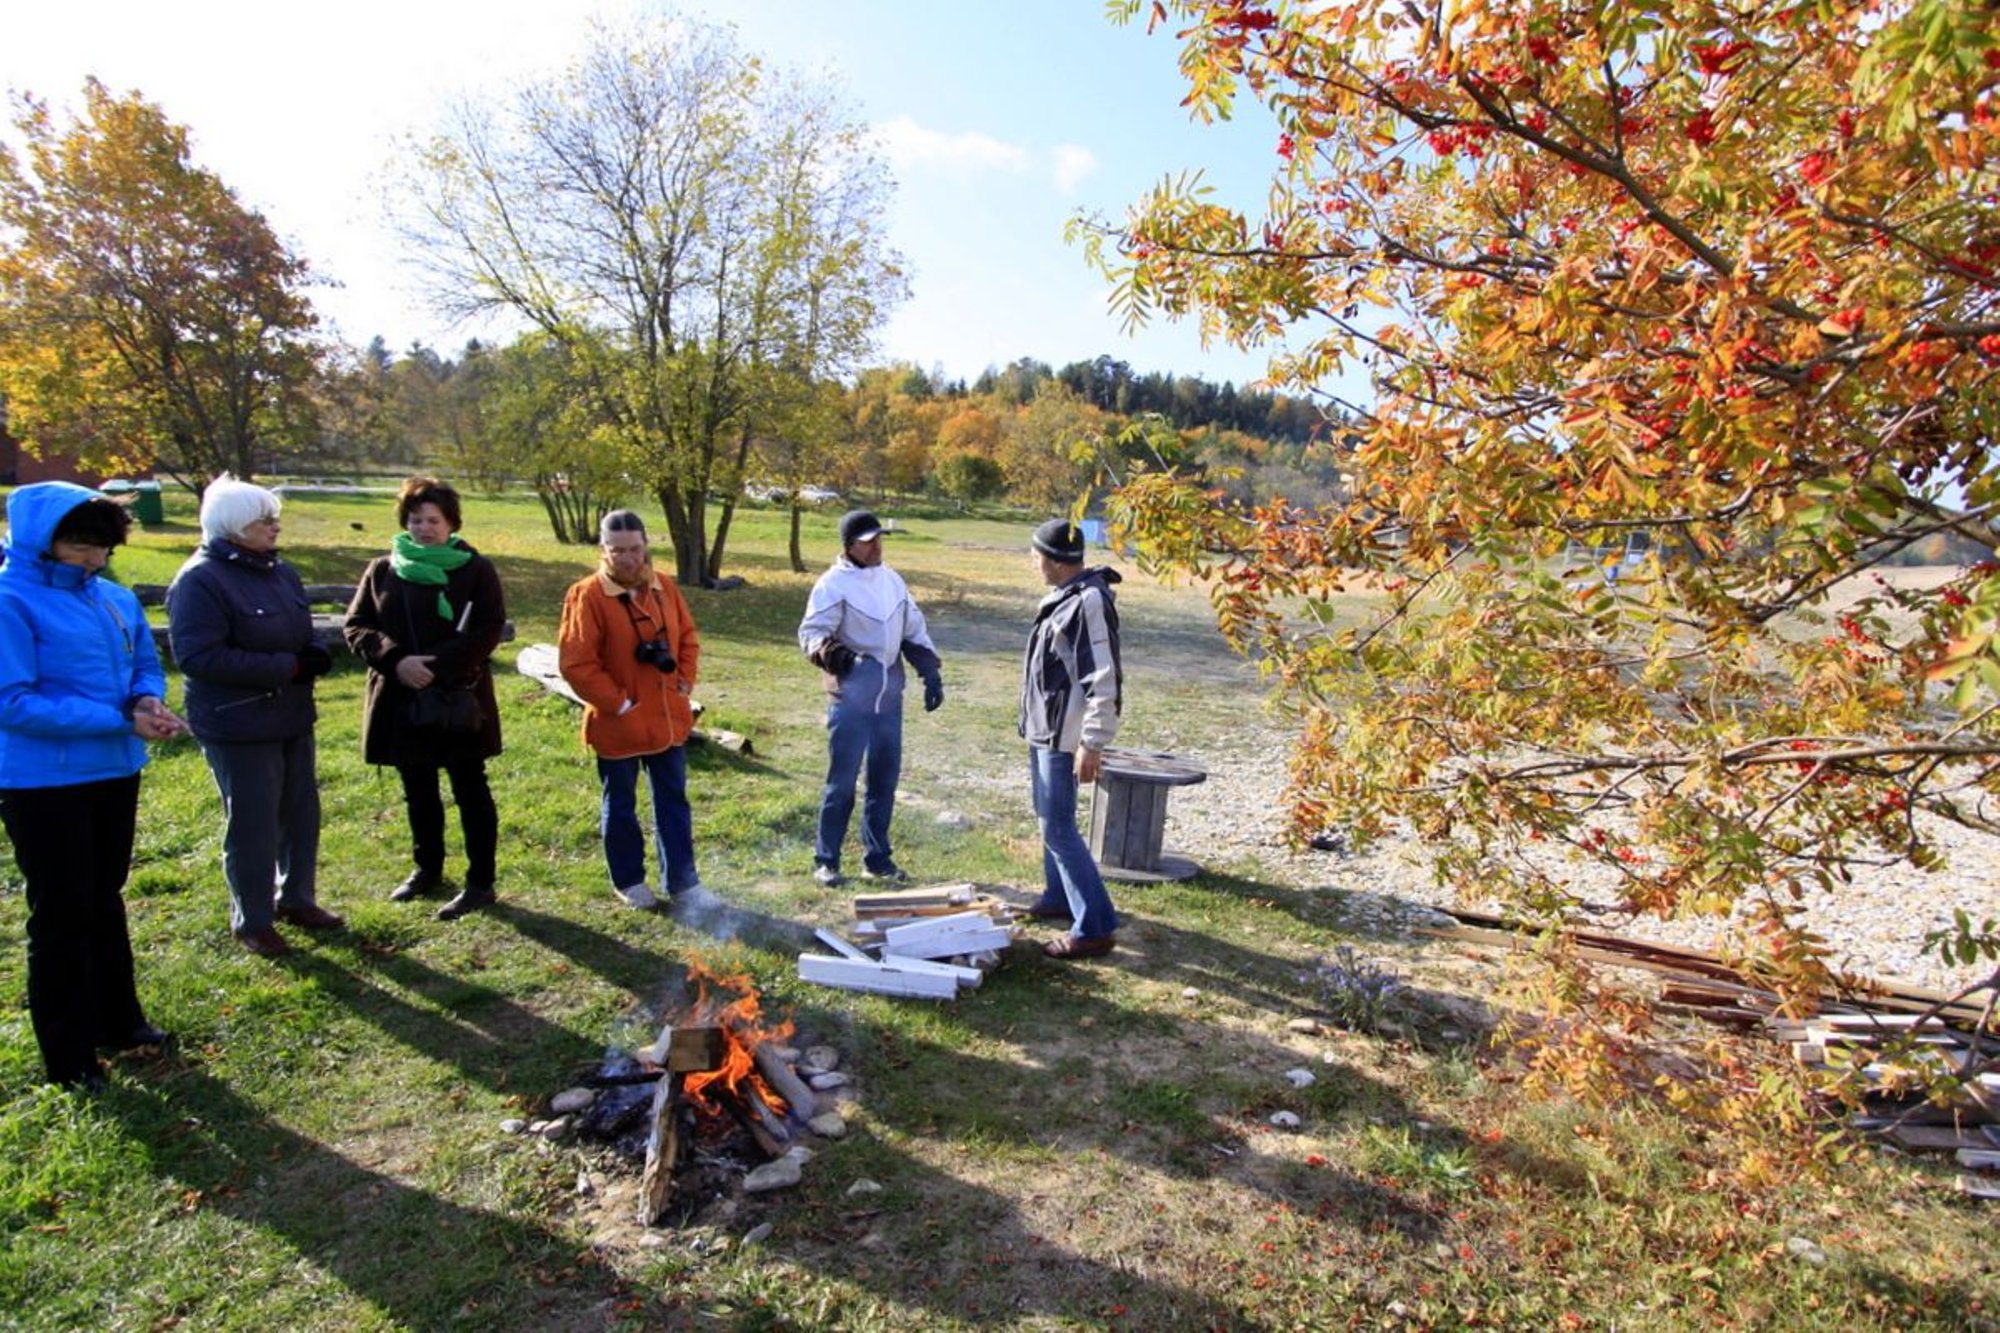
{"points": [[687, 1049], [784, 1080], [663, 1142], [772, 1133]]}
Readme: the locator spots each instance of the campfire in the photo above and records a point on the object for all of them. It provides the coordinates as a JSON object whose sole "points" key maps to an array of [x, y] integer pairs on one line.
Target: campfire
{"points": [[725, 1092]]}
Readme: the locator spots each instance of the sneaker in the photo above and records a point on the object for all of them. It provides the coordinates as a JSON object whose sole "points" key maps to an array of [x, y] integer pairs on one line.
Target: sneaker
{"points": [[692, 886], [889, 874], [638, 896], [828, 877]]}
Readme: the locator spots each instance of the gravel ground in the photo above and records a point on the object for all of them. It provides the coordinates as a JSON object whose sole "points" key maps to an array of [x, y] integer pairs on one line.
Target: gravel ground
{"points": [[1876, 927]]}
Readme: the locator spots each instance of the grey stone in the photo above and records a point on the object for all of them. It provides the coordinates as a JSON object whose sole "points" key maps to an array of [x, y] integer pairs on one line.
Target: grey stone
{"points": [[1306, 1025], [828, 1125], [781, 1174], [556, 1128], [833, 1078], [864, 1186], [1805, 1251], [819, 1060], [1284, 1120], [513, 1125], [571, 1100], [758, 1234], [1300, 1078], [953, 819]]}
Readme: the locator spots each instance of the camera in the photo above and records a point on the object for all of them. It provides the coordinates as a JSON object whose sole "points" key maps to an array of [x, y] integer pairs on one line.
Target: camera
{"points": [[655, 653]]}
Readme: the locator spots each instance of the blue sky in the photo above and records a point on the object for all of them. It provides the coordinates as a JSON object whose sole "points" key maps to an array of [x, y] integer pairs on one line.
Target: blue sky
{"points": [[1000, 119]]}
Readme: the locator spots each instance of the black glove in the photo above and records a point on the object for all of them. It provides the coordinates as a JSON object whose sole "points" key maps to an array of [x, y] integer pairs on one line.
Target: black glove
{"points": [[837, 658], [933, 692], [314, 661]]}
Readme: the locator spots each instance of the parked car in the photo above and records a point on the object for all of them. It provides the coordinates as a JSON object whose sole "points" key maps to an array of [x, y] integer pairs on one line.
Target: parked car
{"points": [[814, 495]]}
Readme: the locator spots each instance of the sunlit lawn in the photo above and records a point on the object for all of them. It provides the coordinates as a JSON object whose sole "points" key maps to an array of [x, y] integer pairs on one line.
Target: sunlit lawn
{"points": [[1068, 1145]]}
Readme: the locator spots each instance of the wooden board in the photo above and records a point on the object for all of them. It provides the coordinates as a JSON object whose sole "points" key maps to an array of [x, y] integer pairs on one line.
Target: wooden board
{"points": [[940, 937], [1935, 1138], [847, 974]]}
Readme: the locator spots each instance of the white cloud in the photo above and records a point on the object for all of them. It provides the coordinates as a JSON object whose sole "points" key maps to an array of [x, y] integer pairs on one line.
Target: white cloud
{"points": [[1073, 163], [909, 144]]}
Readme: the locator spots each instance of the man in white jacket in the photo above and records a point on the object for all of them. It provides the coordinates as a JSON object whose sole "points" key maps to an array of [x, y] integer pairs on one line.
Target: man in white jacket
{"points": [[860, 625]]}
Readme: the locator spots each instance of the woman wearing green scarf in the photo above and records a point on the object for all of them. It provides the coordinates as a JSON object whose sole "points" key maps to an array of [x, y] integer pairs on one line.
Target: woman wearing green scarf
{"points": [[426, 619]]}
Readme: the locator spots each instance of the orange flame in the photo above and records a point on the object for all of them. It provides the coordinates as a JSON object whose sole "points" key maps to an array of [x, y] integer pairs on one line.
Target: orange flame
{"points": [[731, 1002]]}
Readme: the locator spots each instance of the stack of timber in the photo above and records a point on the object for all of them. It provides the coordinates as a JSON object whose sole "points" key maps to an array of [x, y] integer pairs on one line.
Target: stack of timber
{"points": [[1889, 1034], [928, 943]]}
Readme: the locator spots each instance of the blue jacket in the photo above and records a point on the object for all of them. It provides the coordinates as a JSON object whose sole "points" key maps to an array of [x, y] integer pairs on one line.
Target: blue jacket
{"points": [[75, 654], [238, 621]]}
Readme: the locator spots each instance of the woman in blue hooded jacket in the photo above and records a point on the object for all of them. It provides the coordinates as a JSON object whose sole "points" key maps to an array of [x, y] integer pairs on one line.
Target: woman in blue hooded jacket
{"points": [[80, 695]]}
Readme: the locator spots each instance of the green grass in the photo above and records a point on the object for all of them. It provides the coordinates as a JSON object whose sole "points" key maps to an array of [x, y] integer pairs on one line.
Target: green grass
{"points": [[1068, 1146]]}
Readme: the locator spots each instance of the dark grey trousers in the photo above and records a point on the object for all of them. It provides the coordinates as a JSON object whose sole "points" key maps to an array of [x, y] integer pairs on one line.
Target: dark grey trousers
{"points": [[270, 840]]}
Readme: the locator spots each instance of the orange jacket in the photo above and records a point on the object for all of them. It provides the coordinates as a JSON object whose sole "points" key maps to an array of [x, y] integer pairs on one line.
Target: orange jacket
{"points": [[602, 627]]}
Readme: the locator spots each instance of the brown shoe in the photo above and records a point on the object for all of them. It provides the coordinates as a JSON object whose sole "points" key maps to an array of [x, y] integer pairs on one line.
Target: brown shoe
{"points": [[1042, 912], [265, 943], [312, 916], [1080, 946]]}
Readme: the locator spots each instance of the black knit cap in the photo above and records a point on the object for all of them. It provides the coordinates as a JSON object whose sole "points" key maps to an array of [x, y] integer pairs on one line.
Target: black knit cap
{"points": [[858, 526], [1061, 540]]}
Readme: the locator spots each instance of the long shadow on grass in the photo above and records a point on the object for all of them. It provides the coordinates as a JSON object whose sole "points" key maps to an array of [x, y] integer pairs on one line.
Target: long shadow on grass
{"points": [[481, 1033], [640, 970], [422, 1260], [1110, 1108]]}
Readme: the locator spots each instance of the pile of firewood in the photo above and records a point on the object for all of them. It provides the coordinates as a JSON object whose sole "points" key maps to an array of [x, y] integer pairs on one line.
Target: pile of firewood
{"points": [[1887, 1032], [930, 943]]}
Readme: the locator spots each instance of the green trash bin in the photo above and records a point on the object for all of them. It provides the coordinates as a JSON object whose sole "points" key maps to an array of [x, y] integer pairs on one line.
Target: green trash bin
{"points": [[150, 509]]}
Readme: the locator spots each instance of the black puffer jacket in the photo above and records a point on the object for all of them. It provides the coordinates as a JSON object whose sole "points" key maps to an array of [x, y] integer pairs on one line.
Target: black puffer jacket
{"points": [[237, 621]]}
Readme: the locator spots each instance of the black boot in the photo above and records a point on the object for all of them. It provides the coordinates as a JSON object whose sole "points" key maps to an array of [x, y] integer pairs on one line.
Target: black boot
{"points": [[417, 885], [470, 899]]}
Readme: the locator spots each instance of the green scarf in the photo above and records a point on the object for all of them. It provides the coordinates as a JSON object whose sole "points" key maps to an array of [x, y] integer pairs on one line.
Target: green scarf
{"points": [[428, 565]]}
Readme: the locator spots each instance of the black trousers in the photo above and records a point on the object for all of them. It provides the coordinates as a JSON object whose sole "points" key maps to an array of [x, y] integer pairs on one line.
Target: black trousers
{"points": [[478, 819], [74, 847]]}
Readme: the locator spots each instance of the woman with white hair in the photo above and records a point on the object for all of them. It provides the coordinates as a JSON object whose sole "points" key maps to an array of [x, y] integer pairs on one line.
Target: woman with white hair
{"points": [[241, 630]]}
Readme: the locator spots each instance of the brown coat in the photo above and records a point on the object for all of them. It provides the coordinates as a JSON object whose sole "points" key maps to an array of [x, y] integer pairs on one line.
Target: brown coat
{"points": [[602, 627], [385, 613]]}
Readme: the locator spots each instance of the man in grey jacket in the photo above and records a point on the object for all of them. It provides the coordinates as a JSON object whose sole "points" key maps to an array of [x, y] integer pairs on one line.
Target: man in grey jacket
{"points": [[860, 624], [1071, 678]]}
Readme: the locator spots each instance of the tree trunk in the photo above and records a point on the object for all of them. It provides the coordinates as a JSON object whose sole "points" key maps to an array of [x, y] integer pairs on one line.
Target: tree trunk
{"points": [[798, 555], [685, 525]]}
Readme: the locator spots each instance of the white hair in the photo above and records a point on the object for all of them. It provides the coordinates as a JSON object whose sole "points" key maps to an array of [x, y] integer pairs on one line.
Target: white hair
{"points": [[229, 507]]}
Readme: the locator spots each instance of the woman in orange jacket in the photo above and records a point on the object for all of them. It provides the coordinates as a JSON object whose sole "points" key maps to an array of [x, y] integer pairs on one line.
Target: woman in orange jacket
{"points": [[628, 647]]}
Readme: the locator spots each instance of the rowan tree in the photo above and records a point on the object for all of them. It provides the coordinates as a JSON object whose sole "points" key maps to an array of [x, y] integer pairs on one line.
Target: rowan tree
{"points": [[1722, 275], [148, 319]]}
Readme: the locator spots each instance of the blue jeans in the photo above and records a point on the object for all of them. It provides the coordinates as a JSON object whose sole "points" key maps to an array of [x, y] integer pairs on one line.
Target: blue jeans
{"points": [[1069, 872], [854, 734], [673, 819]]}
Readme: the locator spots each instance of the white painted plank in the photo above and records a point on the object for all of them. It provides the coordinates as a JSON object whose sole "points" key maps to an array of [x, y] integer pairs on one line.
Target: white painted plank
{"points": [[847, 974], [841, 946], [965, 976]]}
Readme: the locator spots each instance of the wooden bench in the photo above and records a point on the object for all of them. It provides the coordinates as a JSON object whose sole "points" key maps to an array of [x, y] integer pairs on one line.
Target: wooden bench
{"points": [[1128, 815], [329, 627]]}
